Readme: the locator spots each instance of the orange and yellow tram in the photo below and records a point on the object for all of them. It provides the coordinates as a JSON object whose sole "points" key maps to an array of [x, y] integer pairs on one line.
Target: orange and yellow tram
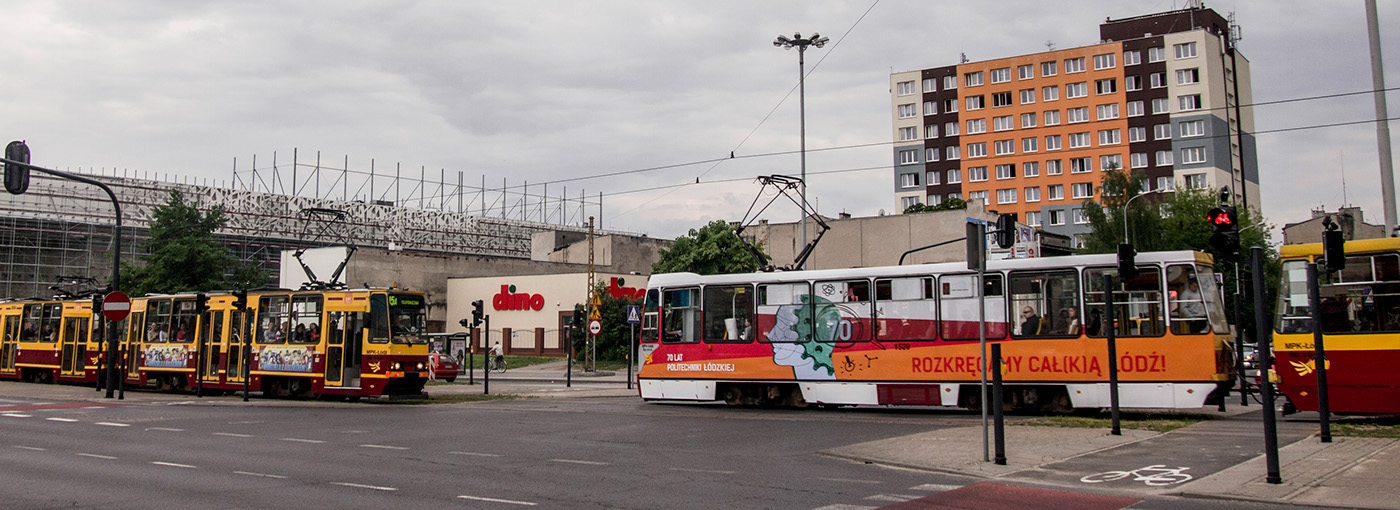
{"points": [[49, 341]]}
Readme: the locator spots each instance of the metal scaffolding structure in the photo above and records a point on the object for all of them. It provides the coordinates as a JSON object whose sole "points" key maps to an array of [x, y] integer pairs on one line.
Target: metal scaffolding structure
{"points": [[61, 231]]}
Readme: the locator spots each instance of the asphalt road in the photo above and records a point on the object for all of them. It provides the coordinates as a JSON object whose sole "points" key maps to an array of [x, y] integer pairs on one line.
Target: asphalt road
{"points": [[543, 453]]}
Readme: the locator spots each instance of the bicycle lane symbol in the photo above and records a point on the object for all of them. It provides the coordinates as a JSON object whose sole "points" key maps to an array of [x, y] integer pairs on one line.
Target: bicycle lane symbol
{"points": [[1156, 475]]}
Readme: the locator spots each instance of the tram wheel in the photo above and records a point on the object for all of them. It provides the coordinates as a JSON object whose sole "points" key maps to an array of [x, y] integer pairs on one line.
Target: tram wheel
{"points": [[1059, 402], [733, 395]]}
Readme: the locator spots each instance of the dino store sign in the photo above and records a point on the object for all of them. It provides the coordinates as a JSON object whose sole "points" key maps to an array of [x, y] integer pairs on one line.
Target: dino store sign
{"points": [[509, 298]]}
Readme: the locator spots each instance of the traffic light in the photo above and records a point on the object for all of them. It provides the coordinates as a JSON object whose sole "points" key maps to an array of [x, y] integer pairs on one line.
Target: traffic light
{"points": [[240, 299], [1333, 248], [1226, 236], [1127, 263], [201, 303], [976, 246], [478, 313], [16, 175], [1006, 230]]}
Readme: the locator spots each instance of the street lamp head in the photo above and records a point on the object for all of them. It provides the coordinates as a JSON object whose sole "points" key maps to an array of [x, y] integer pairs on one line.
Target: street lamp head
{"points": [[783, 42], [820, 42]]}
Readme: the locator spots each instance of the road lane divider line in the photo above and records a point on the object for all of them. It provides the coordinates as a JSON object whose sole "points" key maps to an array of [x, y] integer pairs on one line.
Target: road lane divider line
{"points": [[96, 456], [263, 475], [164, 429], [935, 487], [300, 440], [31, 448], [112, 424], [230, 434], [363, 486], [714, 471], [584, 462], [475, 454], [851, 480], [17, 415], [498, 500], [172, 464], [64, 420], [384, 447]]}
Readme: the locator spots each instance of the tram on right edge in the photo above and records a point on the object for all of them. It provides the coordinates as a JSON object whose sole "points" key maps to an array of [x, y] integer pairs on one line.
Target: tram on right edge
{"points": [[1360, 310]]}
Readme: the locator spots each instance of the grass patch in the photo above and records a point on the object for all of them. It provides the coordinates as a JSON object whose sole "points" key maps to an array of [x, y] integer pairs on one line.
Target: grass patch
{"points": [[455, 398], [512, 362], [1385, 428], [1139, 420]]}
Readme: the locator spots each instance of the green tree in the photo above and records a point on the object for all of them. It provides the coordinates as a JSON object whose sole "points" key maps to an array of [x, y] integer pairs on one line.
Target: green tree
{"points": [[947, 204], [614, 340], [713, 249], [183, 256]]}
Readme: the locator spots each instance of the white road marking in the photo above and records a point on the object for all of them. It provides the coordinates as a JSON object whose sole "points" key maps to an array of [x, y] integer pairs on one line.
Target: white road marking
{"points": [[65, 420], [299, 440], [17, 415], [244, 422], [347, 484], [935, 487], [384, 447], [112, 424], [264, 475], [96, 456], [475, 454], [163, 429], [893, 498], [172, 464], [846, 507], [715, 471], [586, 462], [230, 434], [851, 480], [496, 500], [34, 448]]}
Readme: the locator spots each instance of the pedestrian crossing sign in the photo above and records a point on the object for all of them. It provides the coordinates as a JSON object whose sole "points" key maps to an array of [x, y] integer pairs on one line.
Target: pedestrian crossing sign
{"points": [[634, 314]]}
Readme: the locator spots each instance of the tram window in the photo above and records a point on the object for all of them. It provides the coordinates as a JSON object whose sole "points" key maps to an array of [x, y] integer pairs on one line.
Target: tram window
{"points": [[32, 317], [907, 308], [272, 320], [49, 324], [728, 313], [1137, 303], [76, 328], [1362, 298], [650, 310], [781, 308], [1188, 300], [958, 307], [842, 311], [680, 316], [305, 319], [184, 322], [158, 327], [1046, 304], [378, 319]]}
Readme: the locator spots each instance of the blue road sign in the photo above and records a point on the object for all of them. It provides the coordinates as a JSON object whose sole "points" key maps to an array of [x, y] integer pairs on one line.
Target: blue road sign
{"points": [[634, 314]]}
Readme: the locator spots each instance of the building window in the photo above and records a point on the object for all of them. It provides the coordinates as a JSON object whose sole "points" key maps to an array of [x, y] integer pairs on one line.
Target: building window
{"points": [[1196, 181], [930, 85], [1080, 114], [950, 82], [1157, 54], [1135, 109], [1137, 134], [954, 176], [932, 154], [950, 129], [976, 174], [908, 133], [1055, 191], [1157, 80], [1166, 184], [1025, 72], [906, 88], [972, 79], [977, 195], [931, 131], [1030, 169], [1054, 167], [1110, 137], [1188, 76], [1110, 162], [930, 108], [908, 157], [1162, 132], [1074, 65], [1074, 90], [1030, 144], [1033, 218], [1106, 86], [1000, 99], [1078, 140], [1191, 155], [1190, 102], [907, 111], [1185, 50], [1108, 111], [1106, 61], [1002, 75], [1193, 128], [1132, 58], [1080, 165], [1027, 96], [1052, 117], [1057, 217], [910, 202], [1006, 196], [1027, 120], [1079, 217], [1003, 123], [934, 178], [1006, 172], [950, 105], [1164, 158], [1138, 159], [908, 180], [1160, 106], [975, 126], [1052, 142], [1082, 190], [1132, 83], [1047, 68], [1051, 93], [1033, 194], [977, 150], [952, 152], [975, 103], [1004, 147]]}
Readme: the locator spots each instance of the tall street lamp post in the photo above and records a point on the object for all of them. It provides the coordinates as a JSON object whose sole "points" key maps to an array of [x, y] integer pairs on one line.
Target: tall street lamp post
{"points": [[1125, 211], [801, 44]]}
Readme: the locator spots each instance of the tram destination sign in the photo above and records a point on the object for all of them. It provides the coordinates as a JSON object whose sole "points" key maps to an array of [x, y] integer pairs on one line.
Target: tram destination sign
{"points": [[116, 306]]}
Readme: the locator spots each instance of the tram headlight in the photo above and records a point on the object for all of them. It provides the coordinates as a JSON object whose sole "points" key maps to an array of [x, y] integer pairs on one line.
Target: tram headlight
{"points": [[420, 366], [394, 366]]}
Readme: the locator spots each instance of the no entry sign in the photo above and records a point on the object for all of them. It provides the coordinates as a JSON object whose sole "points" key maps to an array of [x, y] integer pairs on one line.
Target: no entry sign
{"points": [[116, 306]]}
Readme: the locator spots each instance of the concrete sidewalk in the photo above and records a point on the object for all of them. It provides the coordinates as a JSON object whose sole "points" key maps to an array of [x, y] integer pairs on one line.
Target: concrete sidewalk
{"points": [[550, 379]]}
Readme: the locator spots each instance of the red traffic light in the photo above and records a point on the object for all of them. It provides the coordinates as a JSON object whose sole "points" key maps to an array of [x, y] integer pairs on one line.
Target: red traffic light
{"points": [[1219, 217]]}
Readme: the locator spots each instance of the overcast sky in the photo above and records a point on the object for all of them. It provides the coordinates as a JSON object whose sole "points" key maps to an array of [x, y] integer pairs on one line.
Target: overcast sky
{"points": [[540, 92]]}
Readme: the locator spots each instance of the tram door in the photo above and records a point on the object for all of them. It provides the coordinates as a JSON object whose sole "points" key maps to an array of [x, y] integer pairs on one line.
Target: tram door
{"points": [[237, 332], [335, 348], [131, 343], [74, 350], [211, 344], [7, 344]]}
